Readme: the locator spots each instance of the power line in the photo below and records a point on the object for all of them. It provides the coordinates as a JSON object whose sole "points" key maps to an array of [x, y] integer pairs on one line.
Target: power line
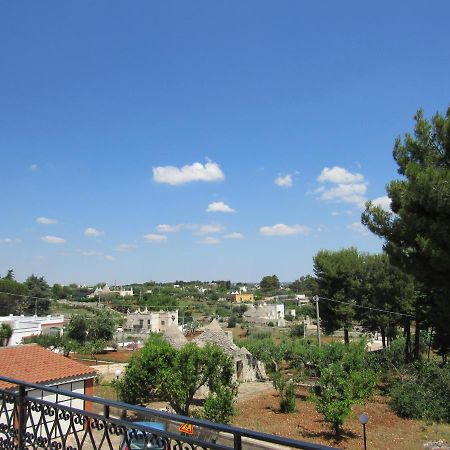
{"points": [[366, 307]]}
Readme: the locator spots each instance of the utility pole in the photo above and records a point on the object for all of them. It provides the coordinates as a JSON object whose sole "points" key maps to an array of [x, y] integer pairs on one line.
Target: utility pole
{"points": [[316, 299]]}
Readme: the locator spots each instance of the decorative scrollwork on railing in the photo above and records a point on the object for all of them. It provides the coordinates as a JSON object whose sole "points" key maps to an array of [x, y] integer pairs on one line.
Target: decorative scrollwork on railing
{"points": [[181, 445]]}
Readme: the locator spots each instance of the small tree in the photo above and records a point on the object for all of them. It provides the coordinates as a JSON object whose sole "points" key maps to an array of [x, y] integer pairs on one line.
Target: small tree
{"points": [[232, 321], [286, 389], [6, 332], [339, 389], [77, 329], [160, 371], [219, 405], [269, 283]]}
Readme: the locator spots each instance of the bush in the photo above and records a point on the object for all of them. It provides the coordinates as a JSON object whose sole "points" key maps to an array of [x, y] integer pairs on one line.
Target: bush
{"points": [[287, 403], [423, 393], [232, 321], [286, 389], [297, 331], [339, 390], [219, 405]]}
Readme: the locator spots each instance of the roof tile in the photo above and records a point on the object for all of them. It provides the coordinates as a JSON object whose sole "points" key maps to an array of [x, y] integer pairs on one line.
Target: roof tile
{"points": [[35, 364]]}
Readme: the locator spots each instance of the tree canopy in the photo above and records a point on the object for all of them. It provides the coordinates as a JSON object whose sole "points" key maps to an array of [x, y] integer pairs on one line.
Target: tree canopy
{"points": [[417, 229], [339, 277], [159, 371], [269, 283]]}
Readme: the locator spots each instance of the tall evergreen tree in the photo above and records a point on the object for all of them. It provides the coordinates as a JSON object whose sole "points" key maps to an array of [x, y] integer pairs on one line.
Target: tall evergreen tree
{"points": [[339, 275], [38, 295], [417, 230]]}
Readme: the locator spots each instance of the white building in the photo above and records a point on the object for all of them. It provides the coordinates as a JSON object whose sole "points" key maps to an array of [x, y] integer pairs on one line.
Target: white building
{"points": [[301, 299], [265, 313], [126, 292], [27, 326], [154, 321]]}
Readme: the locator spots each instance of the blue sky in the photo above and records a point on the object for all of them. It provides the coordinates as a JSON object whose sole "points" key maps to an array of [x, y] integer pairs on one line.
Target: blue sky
{"points": [[204, 140]]}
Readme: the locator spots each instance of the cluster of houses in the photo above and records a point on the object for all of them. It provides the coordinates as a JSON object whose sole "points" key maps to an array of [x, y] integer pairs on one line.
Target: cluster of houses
{"points": [[106, 291]]}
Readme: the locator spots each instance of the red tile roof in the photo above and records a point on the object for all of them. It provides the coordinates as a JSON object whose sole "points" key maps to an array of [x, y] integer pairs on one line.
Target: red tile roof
{"points": [[35, 364]]}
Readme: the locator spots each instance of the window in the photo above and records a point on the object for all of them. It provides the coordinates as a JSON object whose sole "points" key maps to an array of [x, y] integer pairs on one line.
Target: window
{"points": [[162, 322]]}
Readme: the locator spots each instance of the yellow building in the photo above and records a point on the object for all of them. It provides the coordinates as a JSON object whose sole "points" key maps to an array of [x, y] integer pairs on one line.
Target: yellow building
{"points": [[241, 297]]}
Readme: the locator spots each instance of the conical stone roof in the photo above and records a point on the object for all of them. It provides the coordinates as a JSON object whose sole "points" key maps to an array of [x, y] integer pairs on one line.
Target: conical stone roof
{"points": [[174, 336]]}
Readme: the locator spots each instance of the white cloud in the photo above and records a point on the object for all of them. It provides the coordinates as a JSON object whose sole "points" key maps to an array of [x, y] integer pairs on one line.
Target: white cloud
{"points": [[209, 171], [348, 193], [6, 241], [234, 236], [155, 238], [208, 229], [347, 212], [339, 175], [280, 229], [285, 181], [46, 221], [164, 228], [109, 257], [53, 240], [209, 240], [125, 247], [359, 228], [220, 207], [345, 186], [93, 232], [33, 167], [383, 202]]}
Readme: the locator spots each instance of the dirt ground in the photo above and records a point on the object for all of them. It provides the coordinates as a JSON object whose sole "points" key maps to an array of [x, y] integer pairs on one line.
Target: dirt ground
{"points": [[385, 431]]}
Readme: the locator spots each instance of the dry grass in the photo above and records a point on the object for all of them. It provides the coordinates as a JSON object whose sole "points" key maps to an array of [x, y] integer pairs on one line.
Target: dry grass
{"points": [[385, 430]]}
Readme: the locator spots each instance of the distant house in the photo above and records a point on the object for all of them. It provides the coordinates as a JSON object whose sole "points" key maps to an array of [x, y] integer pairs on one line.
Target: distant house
{"points": [[240, 297], [125, 292], [301, 299], [100, 292], [27, 326], [266, 313], [106, 291], [34, 364], [150, 321]]}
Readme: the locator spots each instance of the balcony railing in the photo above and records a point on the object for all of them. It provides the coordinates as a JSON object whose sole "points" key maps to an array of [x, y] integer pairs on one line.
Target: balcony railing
{"points": [[60, 419]]}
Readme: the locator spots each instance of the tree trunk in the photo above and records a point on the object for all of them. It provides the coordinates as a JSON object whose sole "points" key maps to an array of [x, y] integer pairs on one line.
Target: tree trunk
{"points": [[407, 334], [417, 341], [383, 336], [430, 342], [346, 337]]}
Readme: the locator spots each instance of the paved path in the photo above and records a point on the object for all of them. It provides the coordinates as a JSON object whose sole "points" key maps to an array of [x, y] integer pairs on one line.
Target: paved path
{"points": [[252, 389]]}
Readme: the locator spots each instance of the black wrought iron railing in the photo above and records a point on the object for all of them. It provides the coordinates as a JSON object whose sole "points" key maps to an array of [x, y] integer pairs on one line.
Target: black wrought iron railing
{"points": [[35, 416]]}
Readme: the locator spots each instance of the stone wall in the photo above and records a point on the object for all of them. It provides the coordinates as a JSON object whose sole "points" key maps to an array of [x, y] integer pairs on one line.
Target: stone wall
{"points": [[107, 372]]}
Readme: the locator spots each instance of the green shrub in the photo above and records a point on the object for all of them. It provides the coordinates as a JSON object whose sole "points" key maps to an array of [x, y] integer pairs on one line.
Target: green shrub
{"points": [[286, 389], [423, 393], [219, 405], [232, 321], [297, 331], [287, 403]]}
